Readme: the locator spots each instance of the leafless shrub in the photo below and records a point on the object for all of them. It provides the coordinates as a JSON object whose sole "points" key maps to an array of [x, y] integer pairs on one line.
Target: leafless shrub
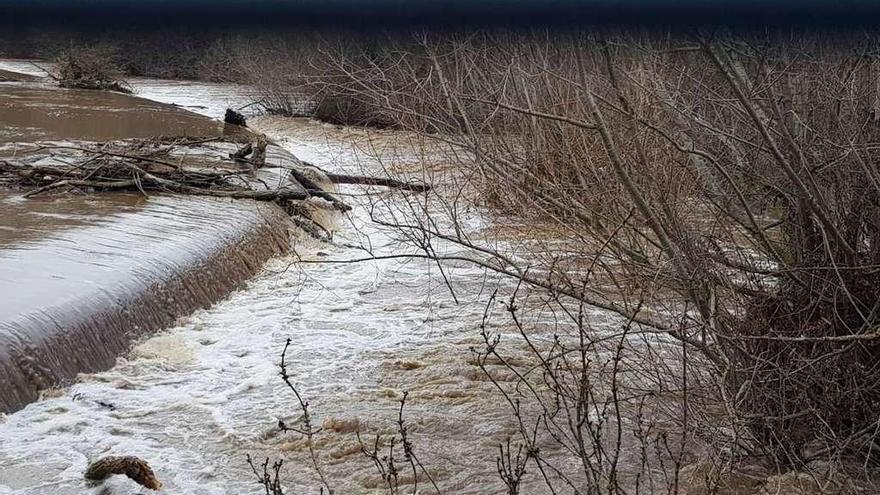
{"points": [[719, 192], [224, 61], [269, 478], [94, 67], [388, 465], [588, 406], [307, 430], [277, 66], [165, 53], [511, 468]]}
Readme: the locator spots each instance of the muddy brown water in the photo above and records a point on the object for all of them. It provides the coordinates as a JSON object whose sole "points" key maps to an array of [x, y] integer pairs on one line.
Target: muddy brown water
{"points": [[82, 276], [38, 112], [194, 399]]}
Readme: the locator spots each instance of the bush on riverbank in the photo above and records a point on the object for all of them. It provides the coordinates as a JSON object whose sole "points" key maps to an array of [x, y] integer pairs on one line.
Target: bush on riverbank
{"points": [[95, 67], [713, 191], [719, 195], [303, 76], [293, 73]]}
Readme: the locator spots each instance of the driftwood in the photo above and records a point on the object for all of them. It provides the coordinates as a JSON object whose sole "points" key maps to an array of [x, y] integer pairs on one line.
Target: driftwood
{"points": [[372, 181], [377, 181], [140, 166], [312, 228], [117, 86], [194, 166], [258, 158], [242, 152], [316, 190], [257, 151], [134, 467], [149, 181]]}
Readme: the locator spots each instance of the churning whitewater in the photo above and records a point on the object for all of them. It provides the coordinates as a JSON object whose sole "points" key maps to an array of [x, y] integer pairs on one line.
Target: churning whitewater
{"points": [[195, 399]]}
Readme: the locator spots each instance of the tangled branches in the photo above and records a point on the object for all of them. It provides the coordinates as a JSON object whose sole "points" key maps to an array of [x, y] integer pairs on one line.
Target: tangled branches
{"points": [[93, 67], [218, 167], [179, 165], [719, 192]]}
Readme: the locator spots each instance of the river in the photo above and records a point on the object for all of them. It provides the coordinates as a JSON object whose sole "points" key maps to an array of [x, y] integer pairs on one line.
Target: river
{"points": [[194, 399]]}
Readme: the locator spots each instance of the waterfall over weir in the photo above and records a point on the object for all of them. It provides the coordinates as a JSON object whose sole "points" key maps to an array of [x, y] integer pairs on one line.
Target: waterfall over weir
{"points": [[76, 298], [83, 276]]}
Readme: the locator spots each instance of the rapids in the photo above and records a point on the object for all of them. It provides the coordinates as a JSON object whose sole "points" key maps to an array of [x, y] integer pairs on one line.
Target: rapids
{"points": [[197, 397]]}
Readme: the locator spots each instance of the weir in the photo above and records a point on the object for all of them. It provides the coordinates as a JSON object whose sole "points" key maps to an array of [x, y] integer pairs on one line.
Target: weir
{"points": [[74, 301], [82, 277]]}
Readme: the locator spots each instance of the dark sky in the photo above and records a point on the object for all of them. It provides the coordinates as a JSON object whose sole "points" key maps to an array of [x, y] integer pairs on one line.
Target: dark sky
{"points": [[381, 14]]}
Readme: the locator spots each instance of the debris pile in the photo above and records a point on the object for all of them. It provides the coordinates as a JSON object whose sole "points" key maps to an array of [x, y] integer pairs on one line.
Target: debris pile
{"points": [[244, 166]]}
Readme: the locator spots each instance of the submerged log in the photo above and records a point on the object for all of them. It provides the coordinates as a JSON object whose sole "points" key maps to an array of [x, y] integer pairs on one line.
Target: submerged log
{"points": [[134, 467]]}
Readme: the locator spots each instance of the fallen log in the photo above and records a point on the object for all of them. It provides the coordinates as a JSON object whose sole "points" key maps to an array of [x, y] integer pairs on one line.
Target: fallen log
{"points": [[316, 190], [148, 180], [145, 179], [118, 184], [261, 195], [377, 181]]}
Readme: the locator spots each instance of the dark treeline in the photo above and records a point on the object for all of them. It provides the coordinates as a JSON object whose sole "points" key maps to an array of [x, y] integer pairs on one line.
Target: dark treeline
{"points": [[175, 54]]}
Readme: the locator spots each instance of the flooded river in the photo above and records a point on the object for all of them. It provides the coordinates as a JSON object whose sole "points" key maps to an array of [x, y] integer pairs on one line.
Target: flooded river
{"points": [[31, 113], [195, 398]]}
